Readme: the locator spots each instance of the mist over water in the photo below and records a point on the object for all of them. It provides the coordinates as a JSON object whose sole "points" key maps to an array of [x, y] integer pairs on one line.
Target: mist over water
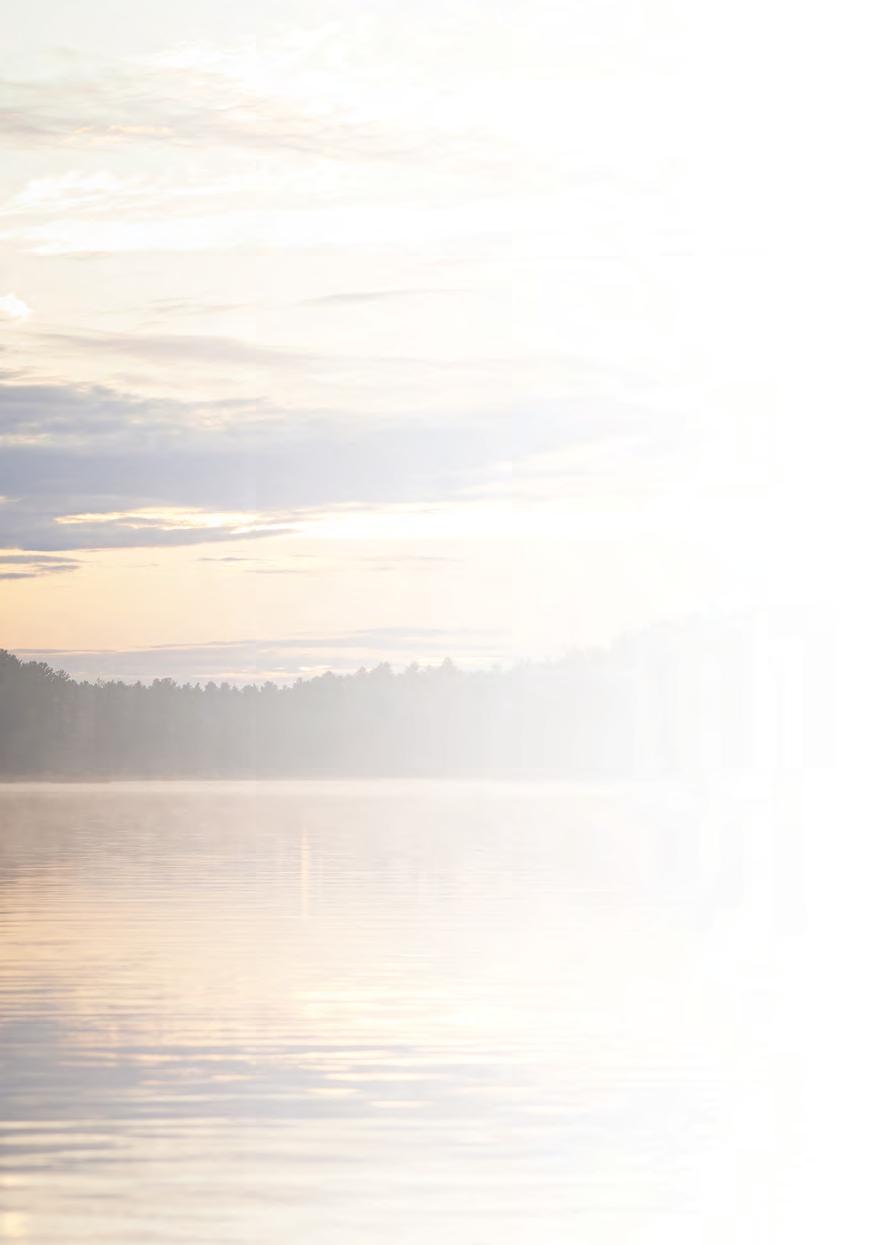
{"points": [[403, 1012]]}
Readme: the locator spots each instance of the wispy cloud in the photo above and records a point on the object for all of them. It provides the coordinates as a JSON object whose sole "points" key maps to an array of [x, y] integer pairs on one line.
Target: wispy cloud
{"points": [[229, 557], [357, 297], [188, 105], [284, 658], [179, 347], [14, 308], [34, 566], [280, 379]]}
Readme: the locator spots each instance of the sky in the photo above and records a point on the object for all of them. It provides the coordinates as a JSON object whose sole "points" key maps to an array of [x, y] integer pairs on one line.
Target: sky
{"points": [[333, 334]]}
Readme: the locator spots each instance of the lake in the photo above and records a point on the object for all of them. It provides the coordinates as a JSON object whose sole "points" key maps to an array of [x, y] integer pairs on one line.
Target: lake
{"points": [[399, 1013]]}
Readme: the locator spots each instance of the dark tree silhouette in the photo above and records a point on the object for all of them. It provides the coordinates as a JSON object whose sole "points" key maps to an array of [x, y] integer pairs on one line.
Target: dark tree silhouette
{"points": [[672, 698]]}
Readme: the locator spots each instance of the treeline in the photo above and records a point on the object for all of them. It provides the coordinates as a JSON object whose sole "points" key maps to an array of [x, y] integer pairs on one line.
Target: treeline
{"points": [[655, 704]]}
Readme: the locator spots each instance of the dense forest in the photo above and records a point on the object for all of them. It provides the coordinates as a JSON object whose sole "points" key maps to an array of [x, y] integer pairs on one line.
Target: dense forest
{"points": [[658, 703]]}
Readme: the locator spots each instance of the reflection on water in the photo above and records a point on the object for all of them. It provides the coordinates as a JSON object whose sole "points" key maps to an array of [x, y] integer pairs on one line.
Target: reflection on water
{"points": [[396, 1013]]}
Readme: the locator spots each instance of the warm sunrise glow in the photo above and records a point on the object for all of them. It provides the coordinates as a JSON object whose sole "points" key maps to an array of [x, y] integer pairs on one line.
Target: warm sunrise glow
{"points": [[311, 275]]}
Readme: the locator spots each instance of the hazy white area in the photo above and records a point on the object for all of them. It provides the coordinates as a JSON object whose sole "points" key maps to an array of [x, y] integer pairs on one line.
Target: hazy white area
{"points": [[333, 335]]}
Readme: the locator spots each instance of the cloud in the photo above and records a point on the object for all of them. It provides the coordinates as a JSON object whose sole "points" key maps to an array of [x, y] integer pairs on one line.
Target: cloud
{"points": [[281, 96], [14, 308], [356, 297], [475, 226], [34, 566], [179, 347], [89, 467], [242, 377], [284, 658], [310, 564], [151, 104], [192, 307], [52, 414], [229, 557]]}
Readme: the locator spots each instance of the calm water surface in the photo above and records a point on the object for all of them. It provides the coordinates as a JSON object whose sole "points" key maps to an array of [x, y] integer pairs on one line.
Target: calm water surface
{"points": [[402, 1013]]}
